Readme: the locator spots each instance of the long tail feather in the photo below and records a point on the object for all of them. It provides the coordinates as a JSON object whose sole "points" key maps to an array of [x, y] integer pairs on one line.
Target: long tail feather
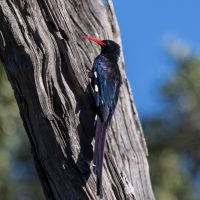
{"points": [[100, 138]]}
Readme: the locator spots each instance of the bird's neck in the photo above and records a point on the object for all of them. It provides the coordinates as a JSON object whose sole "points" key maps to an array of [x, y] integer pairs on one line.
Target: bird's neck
{"points": [[112, 57]]}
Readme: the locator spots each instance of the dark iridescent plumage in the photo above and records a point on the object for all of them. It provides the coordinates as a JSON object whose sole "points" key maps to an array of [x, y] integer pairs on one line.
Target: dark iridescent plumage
{"points": [[106, 82]]}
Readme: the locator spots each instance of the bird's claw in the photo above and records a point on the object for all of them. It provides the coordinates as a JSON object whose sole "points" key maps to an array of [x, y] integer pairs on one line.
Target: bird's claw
{"points": [[89, 71], [87, 68]]}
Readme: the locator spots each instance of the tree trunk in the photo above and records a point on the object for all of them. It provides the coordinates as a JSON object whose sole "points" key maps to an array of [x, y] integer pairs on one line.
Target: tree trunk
{"points": [[44, 57]]}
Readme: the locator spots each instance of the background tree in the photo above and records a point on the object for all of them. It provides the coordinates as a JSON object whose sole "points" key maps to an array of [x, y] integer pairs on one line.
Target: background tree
{"points": [[173, 134], [44, 58], [18, 178]]}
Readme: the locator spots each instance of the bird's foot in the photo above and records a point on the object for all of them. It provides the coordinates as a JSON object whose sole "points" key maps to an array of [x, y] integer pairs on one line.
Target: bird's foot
{"points": [[89, 71], [87, 68]]}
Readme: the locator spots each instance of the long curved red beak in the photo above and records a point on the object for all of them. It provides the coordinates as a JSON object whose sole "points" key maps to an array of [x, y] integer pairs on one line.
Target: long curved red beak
{"points": [[98, 41]]}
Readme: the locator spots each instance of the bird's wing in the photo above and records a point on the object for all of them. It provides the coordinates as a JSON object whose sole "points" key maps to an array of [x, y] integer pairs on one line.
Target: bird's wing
{"points": [[119, 83], [104, 85]]}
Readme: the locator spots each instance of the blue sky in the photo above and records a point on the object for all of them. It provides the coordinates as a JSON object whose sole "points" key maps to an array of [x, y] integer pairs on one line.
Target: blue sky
{"points": [[144, 26]]}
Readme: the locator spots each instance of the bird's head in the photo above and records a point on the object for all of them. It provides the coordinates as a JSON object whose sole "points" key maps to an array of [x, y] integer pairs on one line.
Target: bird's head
{"points": [[109, 48]]}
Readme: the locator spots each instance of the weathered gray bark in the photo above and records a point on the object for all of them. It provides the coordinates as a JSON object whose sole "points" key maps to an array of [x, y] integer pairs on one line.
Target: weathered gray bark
{"points": [[44, 57]]}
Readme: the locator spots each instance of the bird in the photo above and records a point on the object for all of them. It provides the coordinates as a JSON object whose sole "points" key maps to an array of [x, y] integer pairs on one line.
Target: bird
{"points": [[106, 81]]}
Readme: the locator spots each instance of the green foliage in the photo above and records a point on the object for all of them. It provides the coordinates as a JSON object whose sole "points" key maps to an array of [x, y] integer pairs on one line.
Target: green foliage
{"points": [[18, 178], [173, 135]]}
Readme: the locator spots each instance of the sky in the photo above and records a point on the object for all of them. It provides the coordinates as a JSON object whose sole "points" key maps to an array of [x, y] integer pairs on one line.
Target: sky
{"points": [[145, 27]]}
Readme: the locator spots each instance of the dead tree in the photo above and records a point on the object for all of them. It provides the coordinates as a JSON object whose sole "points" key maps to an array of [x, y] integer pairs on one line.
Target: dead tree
{"points": [[44, 57]]}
